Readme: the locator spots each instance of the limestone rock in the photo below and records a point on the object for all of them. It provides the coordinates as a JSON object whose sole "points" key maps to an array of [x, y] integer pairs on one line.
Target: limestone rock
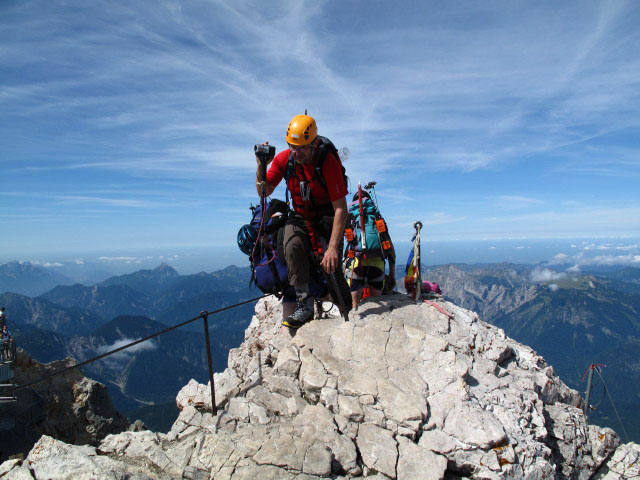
{"points": [[624, 464], [76, 409], [415, 462], [402, 391], [52, 459], [378, 448]]}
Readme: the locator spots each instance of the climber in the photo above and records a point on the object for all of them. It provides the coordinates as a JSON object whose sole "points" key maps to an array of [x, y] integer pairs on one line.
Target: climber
{"points": [[368, 245], [3, 318], [6, 343], [315, 178]]}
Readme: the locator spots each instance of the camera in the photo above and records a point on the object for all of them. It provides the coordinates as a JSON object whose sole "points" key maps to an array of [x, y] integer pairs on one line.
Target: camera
{"points": [[265, 152]]}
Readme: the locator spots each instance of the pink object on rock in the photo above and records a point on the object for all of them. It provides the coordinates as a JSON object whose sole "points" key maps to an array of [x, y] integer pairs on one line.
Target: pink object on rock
{"points": [[430, 287]]}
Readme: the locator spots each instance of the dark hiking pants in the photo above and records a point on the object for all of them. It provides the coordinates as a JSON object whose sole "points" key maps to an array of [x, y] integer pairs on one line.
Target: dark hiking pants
{"points": [[296, 244]]}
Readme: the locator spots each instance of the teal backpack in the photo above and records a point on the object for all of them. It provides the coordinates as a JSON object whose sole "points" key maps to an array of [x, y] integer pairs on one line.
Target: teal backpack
{"points": [[376, 235]]}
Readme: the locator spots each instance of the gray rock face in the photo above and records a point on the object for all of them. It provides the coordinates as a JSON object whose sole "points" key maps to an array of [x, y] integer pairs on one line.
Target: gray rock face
{"points": [[77, 409], [505, 290], [402, 392], [623, 464]]}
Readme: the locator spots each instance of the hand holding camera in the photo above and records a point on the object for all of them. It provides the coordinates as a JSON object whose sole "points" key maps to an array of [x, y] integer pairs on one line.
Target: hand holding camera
{"points": [[264, 152], [264, 155]]}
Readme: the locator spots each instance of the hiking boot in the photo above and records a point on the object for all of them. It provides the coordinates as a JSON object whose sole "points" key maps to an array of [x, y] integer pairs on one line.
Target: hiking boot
{"points": [[301, 315]]}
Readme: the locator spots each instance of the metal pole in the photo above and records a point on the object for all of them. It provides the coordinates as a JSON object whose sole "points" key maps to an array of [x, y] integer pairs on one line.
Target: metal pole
{"points": [[205, 317], [588, 393], [263, 180], [418, 287]]}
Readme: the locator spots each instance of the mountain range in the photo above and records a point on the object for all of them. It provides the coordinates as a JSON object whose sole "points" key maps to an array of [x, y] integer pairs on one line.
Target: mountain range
{"points": [[85, 321], [572, 318]]}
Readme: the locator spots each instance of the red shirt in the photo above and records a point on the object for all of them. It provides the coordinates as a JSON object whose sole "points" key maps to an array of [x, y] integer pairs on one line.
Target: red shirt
{"points": [[331, 172]]}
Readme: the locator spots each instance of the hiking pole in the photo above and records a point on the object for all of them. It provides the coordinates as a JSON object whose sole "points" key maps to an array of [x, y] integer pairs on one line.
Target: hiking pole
{"points": [[265, 153], [331, 279], [363, 237]]}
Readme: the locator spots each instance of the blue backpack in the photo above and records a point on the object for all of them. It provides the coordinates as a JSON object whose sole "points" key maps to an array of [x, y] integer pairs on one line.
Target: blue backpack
{"points": [[269, 271]]}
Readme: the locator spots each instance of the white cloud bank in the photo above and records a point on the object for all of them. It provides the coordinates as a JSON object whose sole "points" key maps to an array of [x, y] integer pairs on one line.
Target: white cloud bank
{"points": [[539, 275], [124, 354]]}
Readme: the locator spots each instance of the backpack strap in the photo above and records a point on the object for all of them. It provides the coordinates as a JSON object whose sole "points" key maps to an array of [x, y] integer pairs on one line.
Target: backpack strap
{"points": [[288, 173], [323, 150], [382, 236], [324, 147], [292, 171]]}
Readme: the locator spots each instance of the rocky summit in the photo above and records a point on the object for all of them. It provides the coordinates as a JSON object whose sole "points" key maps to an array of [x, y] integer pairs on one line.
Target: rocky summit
{"points": [[402, 391]]}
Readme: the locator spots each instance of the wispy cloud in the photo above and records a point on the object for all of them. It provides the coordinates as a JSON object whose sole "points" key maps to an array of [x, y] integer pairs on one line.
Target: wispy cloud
{"points": [[529, 120], [140, 259], [116, 202], [582, 222], [46, 264], [591, 253], [220, 65], [515, 202], [441, 218], [612, 260]]}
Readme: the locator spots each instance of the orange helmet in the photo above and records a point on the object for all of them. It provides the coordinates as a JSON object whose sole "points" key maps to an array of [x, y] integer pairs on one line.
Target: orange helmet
{"points": [[302, 130]]}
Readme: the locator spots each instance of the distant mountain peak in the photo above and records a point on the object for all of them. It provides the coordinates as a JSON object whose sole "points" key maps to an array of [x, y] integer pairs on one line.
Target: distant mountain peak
{"points": [[21, 265], [29, 279], [166, 269]]}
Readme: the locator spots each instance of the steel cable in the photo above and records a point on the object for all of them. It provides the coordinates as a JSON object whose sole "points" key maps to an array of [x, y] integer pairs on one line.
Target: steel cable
{"points": [[157, 334]]}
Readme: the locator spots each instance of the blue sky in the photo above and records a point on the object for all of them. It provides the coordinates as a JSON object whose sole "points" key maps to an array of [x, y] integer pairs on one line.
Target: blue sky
{"points": [[131, 126]]}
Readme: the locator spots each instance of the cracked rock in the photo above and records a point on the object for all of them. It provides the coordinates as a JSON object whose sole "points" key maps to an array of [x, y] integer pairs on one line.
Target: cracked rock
{"points": [[401, 391]]}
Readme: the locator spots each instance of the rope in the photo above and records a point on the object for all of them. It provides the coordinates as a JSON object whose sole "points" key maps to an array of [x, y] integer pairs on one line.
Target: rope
{"points": [[157, 334], [612, 404]]}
